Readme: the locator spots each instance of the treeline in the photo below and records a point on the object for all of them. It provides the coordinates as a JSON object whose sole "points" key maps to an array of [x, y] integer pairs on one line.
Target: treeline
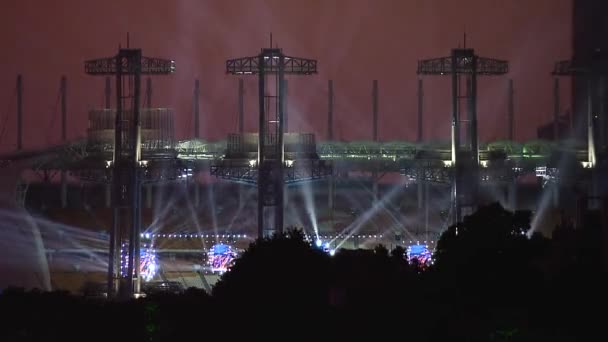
{"points": [[491, 281]]}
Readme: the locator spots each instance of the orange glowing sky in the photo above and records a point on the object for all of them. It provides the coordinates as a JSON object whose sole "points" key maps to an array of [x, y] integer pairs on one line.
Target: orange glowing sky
{"points": [[355, 41]]}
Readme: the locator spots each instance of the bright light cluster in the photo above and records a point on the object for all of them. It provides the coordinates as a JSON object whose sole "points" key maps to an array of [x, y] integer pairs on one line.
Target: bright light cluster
{"points": [[221, 257], [148, 263], [325, 246], [191, 235], [420, 253], [342, 237]]}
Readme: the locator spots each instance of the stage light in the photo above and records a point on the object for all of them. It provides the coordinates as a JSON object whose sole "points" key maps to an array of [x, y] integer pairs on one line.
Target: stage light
{"points": [[221, 257]]}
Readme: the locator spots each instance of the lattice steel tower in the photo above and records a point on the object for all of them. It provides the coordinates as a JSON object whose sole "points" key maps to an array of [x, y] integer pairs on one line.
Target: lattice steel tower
{"points": [[271, 150], [593, 70], [463, 64], [128, 66]]}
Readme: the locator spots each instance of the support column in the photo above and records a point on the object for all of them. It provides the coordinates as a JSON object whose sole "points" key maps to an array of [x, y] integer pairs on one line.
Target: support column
{"points": [[241, 106], [420, 191], [472, 187], [455, 143], [591, 156], [375, 186], [600, 117], [197, 193], [330, 192], [420, 110], [375, 137], [261, 144], [64, 121], [279, 180], [511, 112], [64, 189], [19, 112], [472, 116], [375, 110], [469, 104], [64, 108], [196, 109], [556, 109], [148, 92], [594, 189], [330, 137], [148, 196], [108, 195], [426, 206], [512, 195], [241, 120], [421, 203], [285, 108], [108, 93], [330, 110], [243, 190], [555, 195]]}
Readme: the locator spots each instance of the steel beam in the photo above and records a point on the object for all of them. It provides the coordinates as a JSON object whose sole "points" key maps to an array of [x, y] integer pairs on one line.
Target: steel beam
{"points": [[19, 112], [511, 112], [197, 95], [261, 143], [64, 108], [285, 106], [241, 106], [108, 93], [556, 109], [148, 92], [270, 65], [375, 110], [462, 65], [420, 111], [330, 110], [112, 66]]}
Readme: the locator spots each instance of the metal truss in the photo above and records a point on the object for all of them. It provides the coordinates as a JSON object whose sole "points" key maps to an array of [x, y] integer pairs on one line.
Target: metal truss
{"points": [[572, 68], [464, 65], [432, 171], [499, 174], [152, 171], [149, 66], [360, 150], [566, 68], [291, 65], [307, 170], [365, 151], [237, 172], [88, 162], [427, 170], [300, 171]]}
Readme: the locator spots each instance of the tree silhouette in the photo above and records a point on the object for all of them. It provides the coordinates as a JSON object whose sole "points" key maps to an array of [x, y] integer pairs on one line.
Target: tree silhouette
{"points": [[490, 235], [282, 271]]}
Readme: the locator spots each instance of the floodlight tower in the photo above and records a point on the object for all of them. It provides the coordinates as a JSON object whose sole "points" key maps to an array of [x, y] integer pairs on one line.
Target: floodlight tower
{"points": [[271, 150], [593, 71], [465, 152], [128, 66]]}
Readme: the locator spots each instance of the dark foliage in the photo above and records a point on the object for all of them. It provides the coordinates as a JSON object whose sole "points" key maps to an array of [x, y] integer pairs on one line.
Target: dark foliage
{"points": [[492, 281]]}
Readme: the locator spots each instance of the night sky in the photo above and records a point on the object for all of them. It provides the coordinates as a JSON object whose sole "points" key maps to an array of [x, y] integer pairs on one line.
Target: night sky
{"points": [[355, 41]]}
